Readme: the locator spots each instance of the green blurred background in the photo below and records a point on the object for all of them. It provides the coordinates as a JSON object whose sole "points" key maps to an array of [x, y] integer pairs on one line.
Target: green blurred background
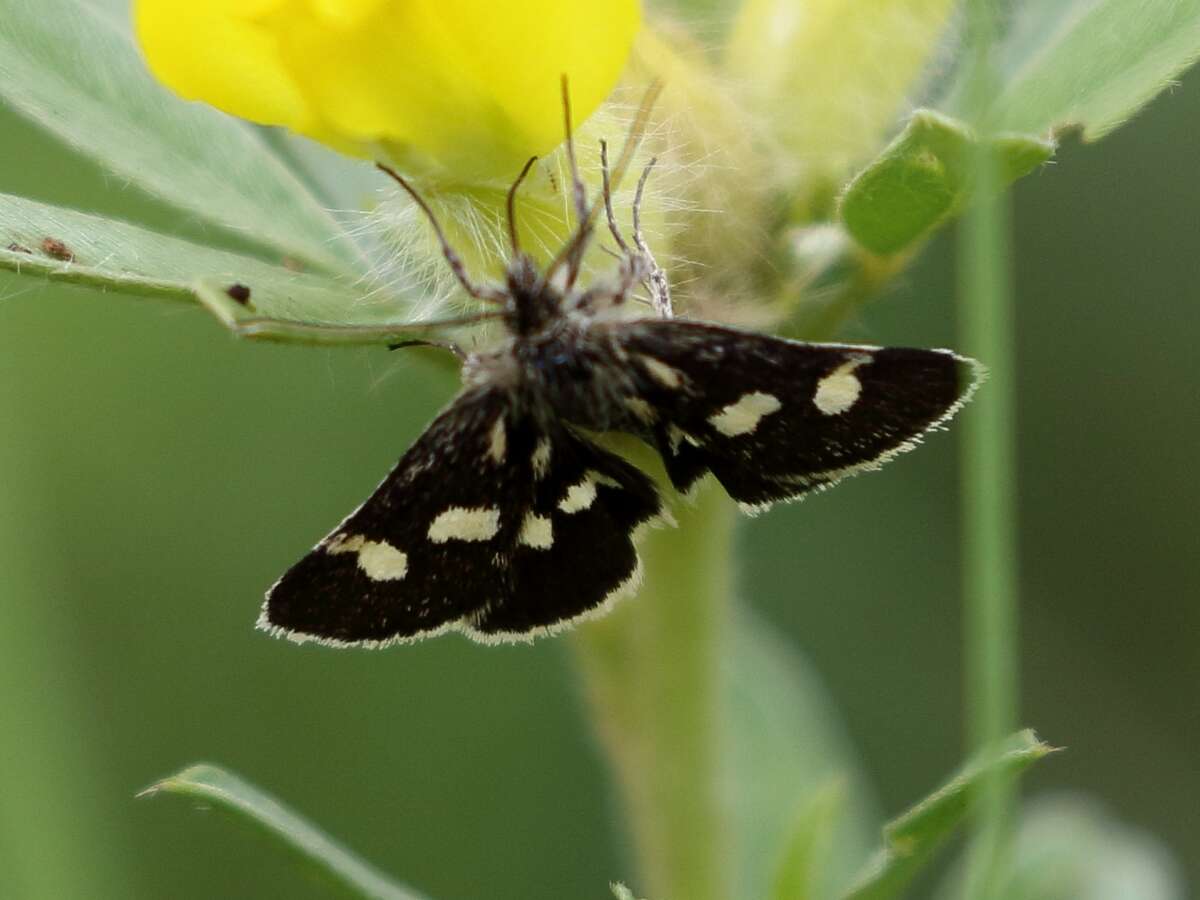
{"points": [[158, 475]]}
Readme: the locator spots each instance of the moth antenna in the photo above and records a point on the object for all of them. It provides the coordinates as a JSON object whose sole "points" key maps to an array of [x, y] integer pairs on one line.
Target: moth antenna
{"points": [[451, 255], [637, 131], [578, 191], [511, 206], [583, 215], [578, 241]]}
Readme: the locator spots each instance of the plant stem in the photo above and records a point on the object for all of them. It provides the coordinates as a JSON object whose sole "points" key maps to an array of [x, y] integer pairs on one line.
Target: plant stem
{"points": [[651, 673], [989, 477], [62, 832]]}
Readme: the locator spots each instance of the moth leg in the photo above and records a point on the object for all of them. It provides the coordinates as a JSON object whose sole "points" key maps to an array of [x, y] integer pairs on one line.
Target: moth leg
{"points": [[613, 228], [655, 278], [443, 345], [638, 263]]}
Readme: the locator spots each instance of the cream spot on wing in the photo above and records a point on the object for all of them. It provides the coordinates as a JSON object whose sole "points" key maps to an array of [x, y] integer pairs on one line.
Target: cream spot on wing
{"points": [[743, 416], [541, 458], [461, 524], [579, 496], [640, 408], [378, 559], [840, 389], [382, 562], [498, 444], [537, 532], [667, 376]]}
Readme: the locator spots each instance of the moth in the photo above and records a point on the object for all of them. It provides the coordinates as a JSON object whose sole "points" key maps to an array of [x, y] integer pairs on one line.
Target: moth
{"points": [[506, 521]]}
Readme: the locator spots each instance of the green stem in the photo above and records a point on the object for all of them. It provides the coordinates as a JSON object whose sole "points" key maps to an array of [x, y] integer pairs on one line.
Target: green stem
{"points": [[989, 479], [872, 275], [651, 673], [63, 833]]}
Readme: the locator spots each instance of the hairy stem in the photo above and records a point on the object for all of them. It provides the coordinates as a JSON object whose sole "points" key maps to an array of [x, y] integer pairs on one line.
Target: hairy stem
{"points": [[651, 674]]}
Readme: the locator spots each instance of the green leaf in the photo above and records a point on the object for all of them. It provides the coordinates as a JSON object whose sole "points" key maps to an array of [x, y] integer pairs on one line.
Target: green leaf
{"points": [[795, 782], [229, 793], [1069, 847], [77, 74], [1087, 63], [809, 844], [911, 841], [115, 256], [922, 178]]}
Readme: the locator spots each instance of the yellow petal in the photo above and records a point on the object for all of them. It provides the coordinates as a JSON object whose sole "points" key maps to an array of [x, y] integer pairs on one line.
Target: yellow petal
{"points": [[467, 86], [204, 51], [344, 13]]}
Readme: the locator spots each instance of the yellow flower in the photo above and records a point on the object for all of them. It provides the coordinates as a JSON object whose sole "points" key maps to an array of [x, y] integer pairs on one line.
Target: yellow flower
{"points": [[470, 87]]}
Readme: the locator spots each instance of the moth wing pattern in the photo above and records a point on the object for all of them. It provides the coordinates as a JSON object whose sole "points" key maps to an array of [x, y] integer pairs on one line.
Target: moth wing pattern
{"points": [[575, 552], [774, 419], [380, 576], [447, 541]]}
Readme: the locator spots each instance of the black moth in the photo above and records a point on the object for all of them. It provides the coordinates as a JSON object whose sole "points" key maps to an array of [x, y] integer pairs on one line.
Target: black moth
{"points": [[506, 522]]}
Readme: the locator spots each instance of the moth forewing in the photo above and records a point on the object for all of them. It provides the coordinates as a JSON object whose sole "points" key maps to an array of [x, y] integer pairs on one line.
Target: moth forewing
{"points": [[774, 419]]}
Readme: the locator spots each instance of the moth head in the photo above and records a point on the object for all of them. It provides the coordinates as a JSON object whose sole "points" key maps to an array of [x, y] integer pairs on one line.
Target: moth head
{"points": [[533, 301]]}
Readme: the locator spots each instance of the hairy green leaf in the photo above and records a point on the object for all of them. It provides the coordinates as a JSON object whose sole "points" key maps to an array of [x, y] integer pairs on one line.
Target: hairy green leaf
{"points": [[911, 841], [922, 178], [1087, 63], [56, 244], [212, 785], [76, 73]]}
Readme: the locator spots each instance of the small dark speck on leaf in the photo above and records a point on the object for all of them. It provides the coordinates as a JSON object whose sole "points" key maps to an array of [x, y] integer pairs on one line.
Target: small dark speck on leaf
{"points": [[18, 248], [56, 249], [239, 293]]}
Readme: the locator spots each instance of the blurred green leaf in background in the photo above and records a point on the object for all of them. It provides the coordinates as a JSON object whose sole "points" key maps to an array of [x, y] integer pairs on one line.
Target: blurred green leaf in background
{"points": [[158, 475]]}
